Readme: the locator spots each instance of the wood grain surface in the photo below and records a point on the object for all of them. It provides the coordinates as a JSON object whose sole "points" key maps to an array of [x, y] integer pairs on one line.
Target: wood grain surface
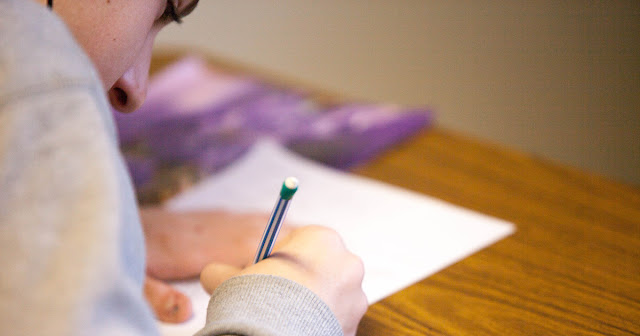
{"points": [[571, 268]]}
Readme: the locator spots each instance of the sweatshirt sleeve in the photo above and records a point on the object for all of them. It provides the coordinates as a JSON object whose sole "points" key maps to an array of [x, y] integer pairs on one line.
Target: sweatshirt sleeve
{"points": [[64, 246], [266, 305], [71, 248]]}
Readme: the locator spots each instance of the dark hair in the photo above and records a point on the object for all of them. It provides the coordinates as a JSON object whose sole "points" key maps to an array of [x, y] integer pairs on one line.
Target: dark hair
{"points": [[50, 4]]}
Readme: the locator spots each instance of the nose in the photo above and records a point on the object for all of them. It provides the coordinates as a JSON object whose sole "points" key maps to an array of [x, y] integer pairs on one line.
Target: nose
{"points": [[130, 90]]}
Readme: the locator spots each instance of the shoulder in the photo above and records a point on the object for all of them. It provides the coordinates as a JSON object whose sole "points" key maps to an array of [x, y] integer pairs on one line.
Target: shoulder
{"points": [[38, 53]]}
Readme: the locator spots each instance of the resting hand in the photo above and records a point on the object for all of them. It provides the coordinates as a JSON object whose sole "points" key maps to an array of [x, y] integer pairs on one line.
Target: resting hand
{"points": [[180, 244], [316, 258]]}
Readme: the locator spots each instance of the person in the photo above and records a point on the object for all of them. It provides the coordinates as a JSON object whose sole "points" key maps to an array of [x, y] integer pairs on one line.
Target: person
{"points": [[72, 247]]}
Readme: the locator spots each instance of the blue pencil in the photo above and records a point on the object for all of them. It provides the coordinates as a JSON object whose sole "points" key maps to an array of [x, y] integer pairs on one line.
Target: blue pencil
{"points": [[289, 187]]}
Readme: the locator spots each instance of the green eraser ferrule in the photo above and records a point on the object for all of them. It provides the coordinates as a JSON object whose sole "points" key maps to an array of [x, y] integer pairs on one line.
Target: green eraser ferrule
{"points": [[289, 187]]}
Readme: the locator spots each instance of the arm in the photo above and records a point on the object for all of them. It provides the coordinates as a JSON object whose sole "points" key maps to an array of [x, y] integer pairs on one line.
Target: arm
{"points": [[68, 243], [71, 250]]}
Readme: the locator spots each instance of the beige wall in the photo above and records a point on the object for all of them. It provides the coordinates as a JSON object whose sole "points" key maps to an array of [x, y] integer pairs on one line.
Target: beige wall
{"points": [[560, 79]]}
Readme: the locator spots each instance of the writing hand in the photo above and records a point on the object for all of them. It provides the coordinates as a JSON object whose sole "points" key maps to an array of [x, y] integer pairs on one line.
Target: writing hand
{"points": [[316, 258]]}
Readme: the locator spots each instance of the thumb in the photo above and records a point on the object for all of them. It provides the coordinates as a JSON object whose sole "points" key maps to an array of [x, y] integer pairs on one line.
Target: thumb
{"points": [[168, 304], [215, 274]]}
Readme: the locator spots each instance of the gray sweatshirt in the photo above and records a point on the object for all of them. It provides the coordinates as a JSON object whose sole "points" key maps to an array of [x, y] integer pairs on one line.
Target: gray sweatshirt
{"points": [[71, 244]]}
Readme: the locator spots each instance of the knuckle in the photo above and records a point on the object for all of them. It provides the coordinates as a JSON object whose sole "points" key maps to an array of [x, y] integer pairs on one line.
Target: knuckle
{"points": [[353, 274], [358, 268], [325, 234], [364, 304]]}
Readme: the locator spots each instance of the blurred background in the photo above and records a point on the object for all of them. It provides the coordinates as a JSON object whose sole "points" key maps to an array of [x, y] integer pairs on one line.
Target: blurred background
{"points": [[557, 79]]}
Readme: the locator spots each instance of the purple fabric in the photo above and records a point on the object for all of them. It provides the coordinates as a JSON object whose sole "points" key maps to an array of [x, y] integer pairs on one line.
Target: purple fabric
{"points": [[197, 116], [353, 134]]}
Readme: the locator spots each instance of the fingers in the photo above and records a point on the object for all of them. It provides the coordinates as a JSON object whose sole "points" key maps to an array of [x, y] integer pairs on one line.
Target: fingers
{"points": [[168, 304], [215, 274]]}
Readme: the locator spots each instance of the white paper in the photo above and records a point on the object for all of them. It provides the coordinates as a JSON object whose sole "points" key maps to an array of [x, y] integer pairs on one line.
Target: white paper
{"points": [[401, 236]]}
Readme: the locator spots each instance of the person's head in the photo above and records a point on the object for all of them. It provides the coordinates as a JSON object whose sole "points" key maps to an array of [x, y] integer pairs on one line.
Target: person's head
{"points": [[118, 36]]}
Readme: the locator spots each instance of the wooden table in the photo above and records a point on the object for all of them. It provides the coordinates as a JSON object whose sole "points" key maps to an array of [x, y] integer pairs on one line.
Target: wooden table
{"points": [[571, 268]]}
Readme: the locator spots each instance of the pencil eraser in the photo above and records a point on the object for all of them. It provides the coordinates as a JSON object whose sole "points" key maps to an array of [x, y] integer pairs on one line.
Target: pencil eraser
{"points": [[289, 187]]}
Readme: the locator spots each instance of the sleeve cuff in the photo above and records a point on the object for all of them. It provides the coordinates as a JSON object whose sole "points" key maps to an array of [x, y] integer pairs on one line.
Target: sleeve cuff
{"points": [[267, 305]]}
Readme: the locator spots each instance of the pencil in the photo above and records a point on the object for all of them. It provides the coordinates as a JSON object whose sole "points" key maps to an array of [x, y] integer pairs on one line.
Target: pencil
{"points": [[289, 187]]}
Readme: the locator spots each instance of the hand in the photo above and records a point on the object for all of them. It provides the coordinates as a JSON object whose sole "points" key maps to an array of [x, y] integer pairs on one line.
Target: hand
{"points": [[180, 244], [314, 257]]}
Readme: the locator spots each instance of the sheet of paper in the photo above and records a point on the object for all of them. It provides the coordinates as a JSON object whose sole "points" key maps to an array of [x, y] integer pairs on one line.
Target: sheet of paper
{"points": [[402, 236]]}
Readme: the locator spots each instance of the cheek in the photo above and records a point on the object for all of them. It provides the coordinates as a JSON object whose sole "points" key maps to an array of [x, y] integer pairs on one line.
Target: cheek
{"points": [[118, 52], [114, 44]]}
